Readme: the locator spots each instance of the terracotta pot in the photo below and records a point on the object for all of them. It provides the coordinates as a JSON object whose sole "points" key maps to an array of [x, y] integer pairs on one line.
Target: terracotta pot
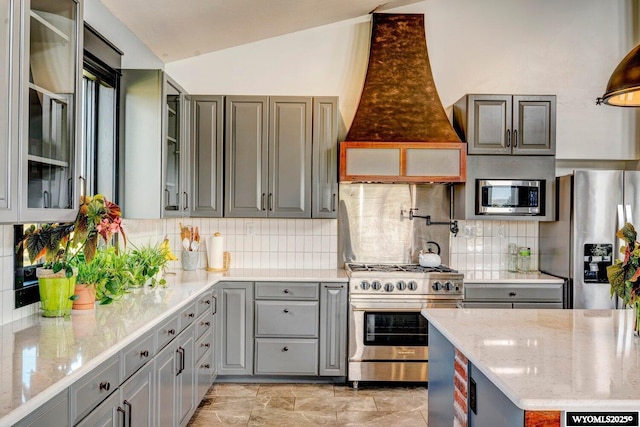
{"points": [[86, 297]]}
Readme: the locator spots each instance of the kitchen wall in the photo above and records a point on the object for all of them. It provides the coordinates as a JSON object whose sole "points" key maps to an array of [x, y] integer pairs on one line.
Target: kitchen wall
{"points": [[482, 245]]}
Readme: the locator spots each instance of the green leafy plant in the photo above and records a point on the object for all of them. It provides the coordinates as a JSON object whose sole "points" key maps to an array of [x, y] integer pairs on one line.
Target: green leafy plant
{"points": [[108, 272], [59, 244], [146, 262], [624, 274]]}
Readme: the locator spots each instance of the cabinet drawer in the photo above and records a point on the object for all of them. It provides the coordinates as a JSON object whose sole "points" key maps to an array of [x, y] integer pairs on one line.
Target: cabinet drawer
{"points": [[287, 318], [91, 389], [286, 356], [287, 290], [545, 292], [203, 324], [187, 316], [136, 354], [204, 344], [166, 331], [204, 303]]}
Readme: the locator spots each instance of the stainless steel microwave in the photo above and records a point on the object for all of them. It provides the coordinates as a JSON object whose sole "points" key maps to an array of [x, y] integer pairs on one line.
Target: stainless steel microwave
{"points": [[509, 197]]}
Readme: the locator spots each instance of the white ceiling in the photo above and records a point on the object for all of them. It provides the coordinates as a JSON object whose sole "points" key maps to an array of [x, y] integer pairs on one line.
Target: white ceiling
{"points": [[178, 29]]}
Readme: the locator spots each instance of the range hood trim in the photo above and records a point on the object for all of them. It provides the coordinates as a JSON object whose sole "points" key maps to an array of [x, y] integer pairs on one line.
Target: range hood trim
{"points": [[402, 177]]}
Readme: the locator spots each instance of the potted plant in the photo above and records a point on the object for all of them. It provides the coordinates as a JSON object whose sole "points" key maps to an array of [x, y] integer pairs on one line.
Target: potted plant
{"points": [[59, 244], [624, 274], [148, 263]]}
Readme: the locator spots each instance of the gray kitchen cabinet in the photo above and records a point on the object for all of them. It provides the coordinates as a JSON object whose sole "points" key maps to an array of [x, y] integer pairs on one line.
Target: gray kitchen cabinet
{"points": [[49, 113], [207, 142], [324, 203], [234, 335], [513, 295], [93, 388], [186, 377], [130, 405], [268, 146], [279, 356], [507, 124], [155, 140], [333, 329], [9, 62], [53, 413]]}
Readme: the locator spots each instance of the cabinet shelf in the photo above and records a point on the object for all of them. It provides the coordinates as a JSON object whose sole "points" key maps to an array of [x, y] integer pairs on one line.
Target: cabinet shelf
{"points": [[47, 161], [39, 18], [50, 94]]}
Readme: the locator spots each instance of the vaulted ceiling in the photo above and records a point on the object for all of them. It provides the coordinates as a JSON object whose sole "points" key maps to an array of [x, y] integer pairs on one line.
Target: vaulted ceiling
{"points": [[178, 29]]}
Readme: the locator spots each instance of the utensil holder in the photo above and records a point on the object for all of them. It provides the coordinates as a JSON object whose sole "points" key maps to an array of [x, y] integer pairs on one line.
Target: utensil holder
{"points": [[190, 260]]}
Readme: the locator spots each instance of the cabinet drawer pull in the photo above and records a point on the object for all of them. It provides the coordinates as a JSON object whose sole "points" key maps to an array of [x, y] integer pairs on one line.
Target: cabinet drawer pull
{"points": [[512, 294], [205, 345], [205, 366], [191, 315], [105, 386], [334, 286], [207, 301], [286, 310], [207, 324], [171, 332], [286, 291], [285, 349], [144, 353]]}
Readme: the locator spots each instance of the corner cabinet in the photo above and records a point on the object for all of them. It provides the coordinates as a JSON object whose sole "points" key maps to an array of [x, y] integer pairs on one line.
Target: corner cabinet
{"points": [[207, 142], [49, 110], [507, 124], [268, 157], [155, 136]]}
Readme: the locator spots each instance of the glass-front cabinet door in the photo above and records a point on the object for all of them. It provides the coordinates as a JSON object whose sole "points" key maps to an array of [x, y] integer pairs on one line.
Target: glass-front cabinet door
{"points": [[49, 137], [175, 151]]}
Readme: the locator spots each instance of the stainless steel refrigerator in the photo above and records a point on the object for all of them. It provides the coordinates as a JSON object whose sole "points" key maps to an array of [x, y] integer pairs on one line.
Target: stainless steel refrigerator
{"points": [[581, 243]]}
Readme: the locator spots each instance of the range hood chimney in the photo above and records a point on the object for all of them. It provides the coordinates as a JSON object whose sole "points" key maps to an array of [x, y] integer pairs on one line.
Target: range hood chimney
{"points": [[400, 132]]}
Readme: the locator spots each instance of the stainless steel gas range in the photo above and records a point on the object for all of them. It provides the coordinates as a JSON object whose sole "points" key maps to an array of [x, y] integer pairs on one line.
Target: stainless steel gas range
{"points": [[388, 337]]}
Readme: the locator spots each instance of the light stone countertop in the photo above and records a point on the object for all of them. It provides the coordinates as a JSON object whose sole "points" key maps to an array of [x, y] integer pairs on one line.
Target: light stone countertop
{"points": [[43, 356], [550, 359], [503, 276]]}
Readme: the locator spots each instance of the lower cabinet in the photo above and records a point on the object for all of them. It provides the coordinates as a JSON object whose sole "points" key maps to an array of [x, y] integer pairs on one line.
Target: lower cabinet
{"points": [[53, 413], [130, 405], [282, 328]]}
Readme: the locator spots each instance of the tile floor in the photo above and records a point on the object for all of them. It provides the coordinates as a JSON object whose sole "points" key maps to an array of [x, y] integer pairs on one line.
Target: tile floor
{"points": [[312, 404]]}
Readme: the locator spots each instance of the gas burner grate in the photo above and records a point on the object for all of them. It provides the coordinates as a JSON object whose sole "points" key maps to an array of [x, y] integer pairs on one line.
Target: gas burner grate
{"points": [[392, 268]]}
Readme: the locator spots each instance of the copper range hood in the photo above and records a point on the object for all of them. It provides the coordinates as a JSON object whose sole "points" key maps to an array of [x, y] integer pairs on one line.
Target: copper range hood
{"points": [[400, 132]]}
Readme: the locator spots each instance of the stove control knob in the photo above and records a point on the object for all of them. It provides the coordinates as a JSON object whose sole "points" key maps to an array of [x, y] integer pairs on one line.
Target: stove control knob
{"points": [[389, 287], [375, 285], [448, 286], [401, 285], [364, 285], [436, 286], [412, 285]]}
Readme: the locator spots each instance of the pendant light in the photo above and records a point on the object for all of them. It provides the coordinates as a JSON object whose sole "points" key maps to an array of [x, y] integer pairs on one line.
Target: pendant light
{"points": [[623, 89]]}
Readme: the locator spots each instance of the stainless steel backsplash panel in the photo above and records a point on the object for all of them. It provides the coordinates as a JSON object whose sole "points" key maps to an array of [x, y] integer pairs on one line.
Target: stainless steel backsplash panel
{"points": [[374, 225]]}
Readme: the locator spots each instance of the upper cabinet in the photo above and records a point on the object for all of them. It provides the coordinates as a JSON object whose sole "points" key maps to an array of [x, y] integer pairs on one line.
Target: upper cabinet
{"points": [[207, 142], [324, 203], [40, 142], [155, 142], [507, 124], [268, 144]]}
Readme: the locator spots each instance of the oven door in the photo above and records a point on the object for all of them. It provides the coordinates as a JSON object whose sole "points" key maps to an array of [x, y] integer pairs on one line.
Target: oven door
{"points": [[390, 330]]}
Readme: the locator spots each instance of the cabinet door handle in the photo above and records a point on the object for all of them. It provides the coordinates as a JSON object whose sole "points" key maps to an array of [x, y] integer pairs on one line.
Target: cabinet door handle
{"points": [[333, 202], [45, 199], [70, 193], [168, 196], [334, 286], [124, 413], [180, 351], [186, 200], [83, 186], [515, 138], [271, 201], [508, 137], [512, 294], [104, 386], [215, 305], [285, 349], [262, 206], [126, 402]]}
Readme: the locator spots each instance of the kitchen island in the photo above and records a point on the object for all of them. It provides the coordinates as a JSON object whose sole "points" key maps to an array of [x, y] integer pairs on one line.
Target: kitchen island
{"points": [[521, 367], [43, 357]]}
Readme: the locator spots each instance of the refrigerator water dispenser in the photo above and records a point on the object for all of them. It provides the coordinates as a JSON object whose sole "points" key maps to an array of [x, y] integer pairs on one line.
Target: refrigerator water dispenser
{"points": [[597, 257]]}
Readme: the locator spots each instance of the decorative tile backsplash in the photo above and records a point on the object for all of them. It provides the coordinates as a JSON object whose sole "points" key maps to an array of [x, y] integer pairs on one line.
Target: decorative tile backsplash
{"points": [[483, 245]]}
